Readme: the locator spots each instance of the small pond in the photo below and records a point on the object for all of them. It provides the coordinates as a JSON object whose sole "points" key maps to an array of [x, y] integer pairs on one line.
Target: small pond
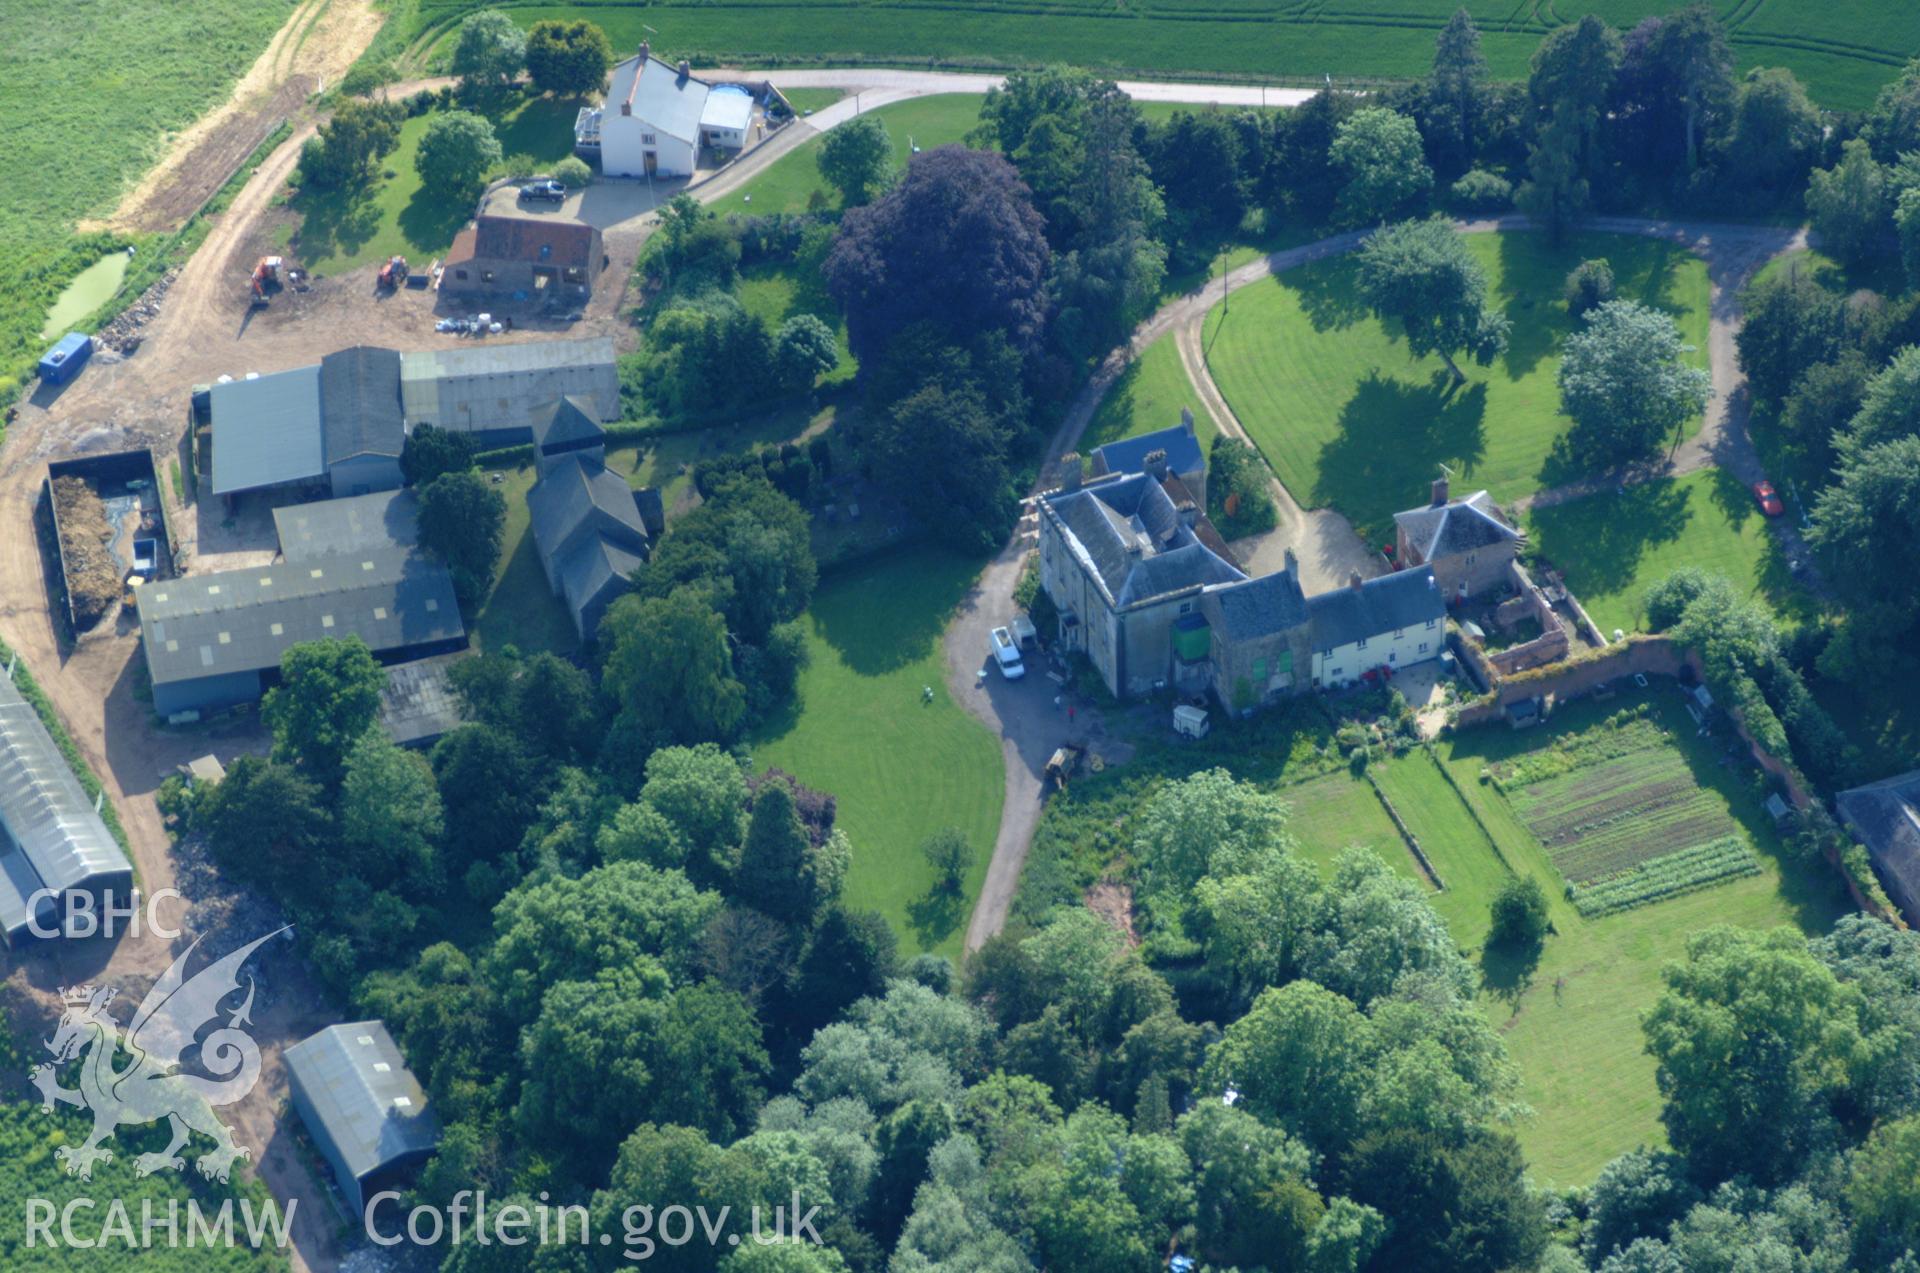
{"points": [[89, 290]]}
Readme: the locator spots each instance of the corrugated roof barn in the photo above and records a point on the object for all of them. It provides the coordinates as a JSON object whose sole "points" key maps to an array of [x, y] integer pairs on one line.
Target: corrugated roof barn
{"points": [[366, 1112], [381, 520], [50, 836], [501, 389], [267, 431]]}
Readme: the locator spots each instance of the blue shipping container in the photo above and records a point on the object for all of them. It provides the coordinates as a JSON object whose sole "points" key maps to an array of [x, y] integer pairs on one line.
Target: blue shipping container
{"points": [[63, 362]]}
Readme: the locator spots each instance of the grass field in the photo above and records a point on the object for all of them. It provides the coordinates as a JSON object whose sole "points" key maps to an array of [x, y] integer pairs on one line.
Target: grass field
{"points": [[900, 768], [1843, 50], [1348, 421], [1612, 546], [134, 71], [793, 182], [342, 229], [1148, 396], [1338, 811]]}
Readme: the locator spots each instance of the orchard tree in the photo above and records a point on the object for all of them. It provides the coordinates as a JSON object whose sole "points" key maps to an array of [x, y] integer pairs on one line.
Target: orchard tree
{"points": [[456, 151], [568, 58], [1385, 164], [1625, 384], [328, 696], [488, 51], [1419, 276], [856, 159], [462, 521]]}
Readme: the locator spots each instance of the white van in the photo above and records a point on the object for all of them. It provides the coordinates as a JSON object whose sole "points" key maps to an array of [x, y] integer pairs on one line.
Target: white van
{"points": [[1006, 652]]}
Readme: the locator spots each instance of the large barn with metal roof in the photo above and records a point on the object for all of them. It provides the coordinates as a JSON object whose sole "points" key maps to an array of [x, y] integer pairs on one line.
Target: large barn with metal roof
{"points": [[348, 568], [53, 845], [343, 422], [364, 1109]]}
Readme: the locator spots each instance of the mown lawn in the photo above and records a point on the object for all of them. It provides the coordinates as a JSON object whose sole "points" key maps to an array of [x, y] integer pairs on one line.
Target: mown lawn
{"points": [[1614, 545], [811, 99], [520, 610], [1843, 50], [394, 213], [1573, 1023], [793, 182], [1349, 421], [900, 768], [1339, 811], [1148, 396]]}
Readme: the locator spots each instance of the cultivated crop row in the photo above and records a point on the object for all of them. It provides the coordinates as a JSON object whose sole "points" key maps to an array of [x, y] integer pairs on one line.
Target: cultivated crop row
{"points": [[1659, 878]]}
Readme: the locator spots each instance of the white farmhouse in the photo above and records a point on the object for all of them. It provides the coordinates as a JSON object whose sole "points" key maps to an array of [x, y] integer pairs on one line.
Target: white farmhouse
{"points": [[658, 119], [1392, 622]]}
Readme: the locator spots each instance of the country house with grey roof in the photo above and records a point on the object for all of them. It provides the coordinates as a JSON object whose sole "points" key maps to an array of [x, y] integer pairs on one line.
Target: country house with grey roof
{"points": [[1172, 450], [588, 524], [348, 567], [367, 1114], [1145, 588], [1468, 542], [56, 854], [658, 119], [1885, 817]]}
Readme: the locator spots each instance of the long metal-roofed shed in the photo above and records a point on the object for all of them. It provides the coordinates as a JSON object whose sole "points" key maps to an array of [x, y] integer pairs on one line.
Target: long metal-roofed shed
{"points": [[267, 431], [364, 1109], [497, 391], [51, 838], [382, 519], [361, 425]]}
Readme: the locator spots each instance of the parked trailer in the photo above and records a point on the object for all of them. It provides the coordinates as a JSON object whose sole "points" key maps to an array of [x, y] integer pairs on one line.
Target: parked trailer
{"points": [[64, 361]]}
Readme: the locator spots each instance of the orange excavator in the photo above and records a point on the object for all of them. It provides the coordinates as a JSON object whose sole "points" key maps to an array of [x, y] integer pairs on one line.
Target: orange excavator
{"points": [[393, 274], [265, 281]]}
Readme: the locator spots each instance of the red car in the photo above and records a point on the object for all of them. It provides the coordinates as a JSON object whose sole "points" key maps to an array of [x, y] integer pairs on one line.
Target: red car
{"points": [[1769, 499]]}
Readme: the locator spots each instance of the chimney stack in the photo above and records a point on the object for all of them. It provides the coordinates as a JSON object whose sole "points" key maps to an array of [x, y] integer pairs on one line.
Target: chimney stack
{"points": [[646, 52], [1354, 581], [685, 68], [1440, 490], [1186, 418], [1156, 464], [1072, 471], [1292, 564]]}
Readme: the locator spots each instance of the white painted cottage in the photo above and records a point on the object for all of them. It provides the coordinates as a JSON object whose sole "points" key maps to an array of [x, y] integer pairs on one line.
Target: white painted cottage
{"points": [[658, 118]]}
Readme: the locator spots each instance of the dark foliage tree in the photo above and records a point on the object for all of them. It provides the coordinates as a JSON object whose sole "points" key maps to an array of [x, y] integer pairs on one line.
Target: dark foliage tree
{"points": [[668, 669], [490, 791], [956, 244], [1790, 322], [1419, 276], [462, 521], [431, 451], [1458, 88], [347, 146], [568, 58], [328, 696], [266, 821]]}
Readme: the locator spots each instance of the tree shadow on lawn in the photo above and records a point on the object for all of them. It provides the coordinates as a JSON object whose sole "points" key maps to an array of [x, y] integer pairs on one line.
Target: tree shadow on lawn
{"points": [[1393, 435], [1506, 971], [432, 217], [1533, 277], [936, 914], [882, 615], [1599, 540], [541, 129], [334, 223], [1327, 294]]}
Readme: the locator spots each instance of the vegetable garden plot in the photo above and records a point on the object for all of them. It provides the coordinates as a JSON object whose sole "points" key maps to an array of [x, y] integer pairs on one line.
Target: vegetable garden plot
{"points": [[1625, 823]]}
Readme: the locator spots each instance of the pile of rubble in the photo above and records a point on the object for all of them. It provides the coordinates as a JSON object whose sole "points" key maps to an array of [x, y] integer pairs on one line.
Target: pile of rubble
{"points": [[122, 335], [86, 536], [226, 914]]}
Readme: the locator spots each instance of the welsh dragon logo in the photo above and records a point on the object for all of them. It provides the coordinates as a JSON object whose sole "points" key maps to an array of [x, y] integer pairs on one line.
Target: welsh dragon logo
{"points": [[148, 1089]]}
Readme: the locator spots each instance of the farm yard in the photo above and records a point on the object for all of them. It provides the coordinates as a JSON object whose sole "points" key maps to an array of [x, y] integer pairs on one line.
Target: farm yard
{"points": [[1349, 422], [1843, 51]]}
